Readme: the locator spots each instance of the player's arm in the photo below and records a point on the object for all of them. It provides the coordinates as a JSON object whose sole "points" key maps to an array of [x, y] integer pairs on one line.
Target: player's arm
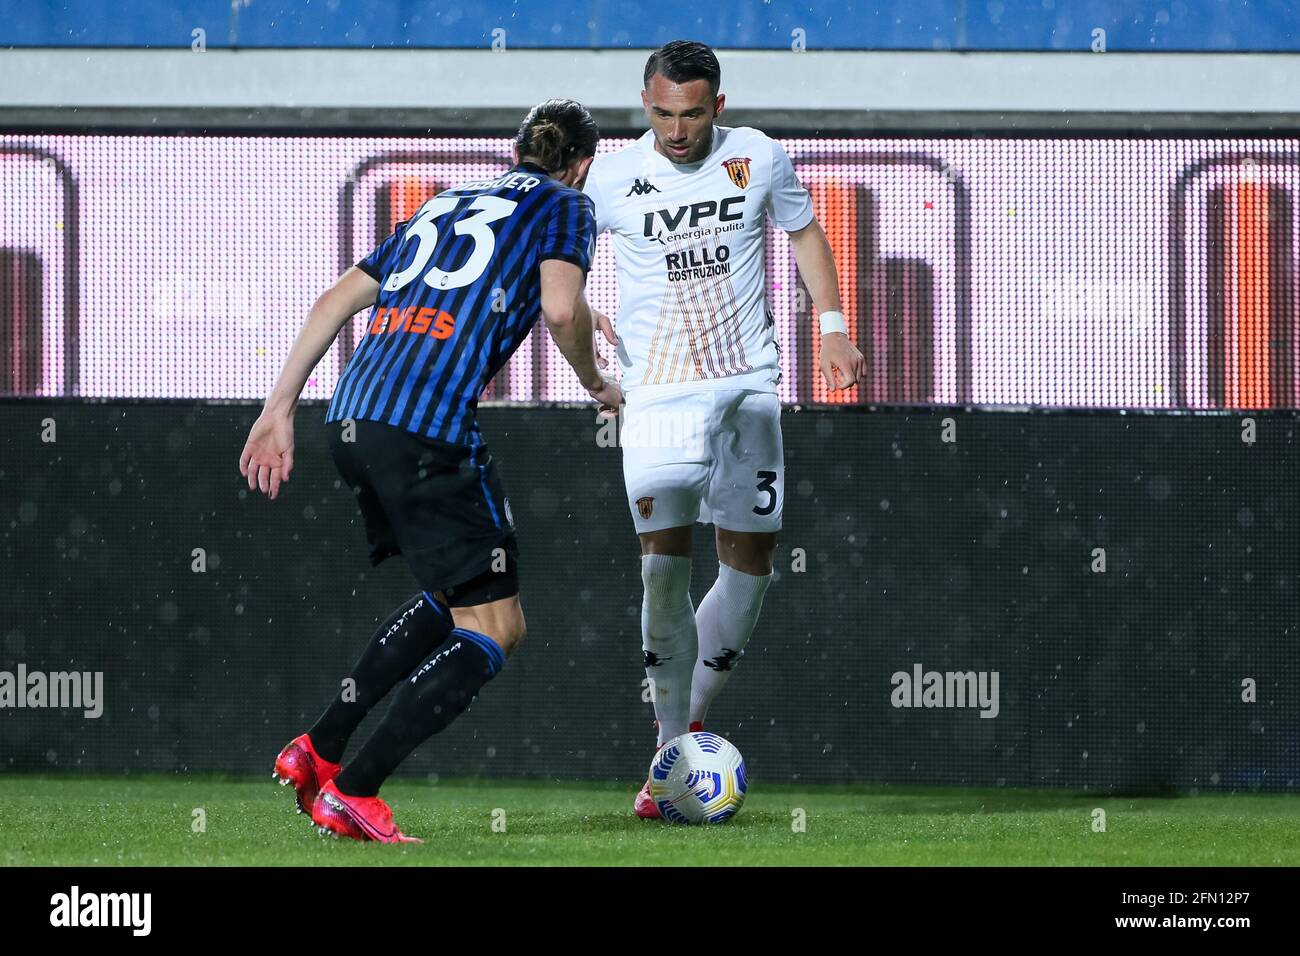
{"points": [[568, 319], [567, 247], [353, 292], [267, 458], [842, 365]]}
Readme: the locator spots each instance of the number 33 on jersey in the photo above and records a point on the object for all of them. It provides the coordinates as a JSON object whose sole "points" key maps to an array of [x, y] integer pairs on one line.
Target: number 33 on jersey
{"points": [[459, 291]]}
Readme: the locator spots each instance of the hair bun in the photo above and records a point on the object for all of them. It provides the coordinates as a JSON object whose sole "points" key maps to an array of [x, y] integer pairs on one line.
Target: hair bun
{"points": [[555, 133]]}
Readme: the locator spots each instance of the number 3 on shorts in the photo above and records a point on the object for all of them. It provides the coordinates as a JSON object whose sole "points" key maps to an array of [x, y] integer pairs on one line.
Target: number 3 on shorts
{"points": [[765, 480]]}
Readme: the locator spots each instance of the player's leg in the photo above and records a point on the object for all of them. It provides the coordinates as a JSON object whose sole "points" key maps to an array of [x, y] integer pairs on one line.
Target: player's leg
{"points": [[363, 453], [404, 640], [489, 625], [726, 617], [666, 465], [745, 500], [665, 469], [438, 691], [450, 520], [668, 639]]}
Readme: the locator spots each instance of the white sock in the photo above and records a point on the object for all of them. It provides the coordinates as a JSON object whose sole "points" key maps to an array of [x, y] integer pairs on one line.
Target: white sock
{"points": [[725, 620], [668, 638]]}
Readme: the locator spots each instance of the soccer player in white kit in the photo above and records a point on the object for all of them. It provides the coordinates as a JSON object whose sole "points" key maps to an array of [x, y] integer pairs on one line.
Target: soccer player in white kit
{"points": [[686, 205]]}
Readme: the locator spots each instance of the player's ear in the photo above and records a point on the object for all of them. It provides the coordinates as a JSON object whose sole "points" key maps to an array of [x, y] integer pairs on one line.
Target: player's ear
{"points": [[582, 166], [645, 103], [718, 105], [514, 154]]}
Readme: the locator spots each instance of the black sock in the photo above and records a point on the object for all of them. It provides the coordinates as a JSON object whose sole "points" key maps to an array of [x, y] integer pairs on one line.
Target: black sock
{"points": [[408, 636], [436, 694]]}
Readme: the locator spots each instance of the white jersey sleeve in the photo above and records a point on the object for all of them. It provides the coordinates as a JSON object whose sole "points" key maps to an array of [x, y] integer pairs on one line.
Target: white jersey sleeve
{"points": [[790, 205]]}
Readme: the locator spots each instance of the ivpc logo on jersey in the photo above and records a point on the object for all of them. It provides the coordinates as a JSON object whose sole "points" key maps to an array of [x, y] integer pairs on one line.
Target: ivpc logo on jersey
{"points": [[729, 210]]}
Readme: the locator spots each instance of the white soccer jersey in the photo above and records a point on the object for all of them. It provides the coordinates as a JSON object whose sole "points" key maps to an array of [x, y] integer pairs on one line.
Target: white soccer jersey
{"points": [[688, 241]]}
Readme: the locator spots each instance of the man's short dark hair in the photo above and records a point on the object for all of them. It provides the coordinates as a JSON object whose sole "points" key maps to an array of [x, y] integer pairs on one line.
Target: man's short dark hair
{"points": [[684, 60]]}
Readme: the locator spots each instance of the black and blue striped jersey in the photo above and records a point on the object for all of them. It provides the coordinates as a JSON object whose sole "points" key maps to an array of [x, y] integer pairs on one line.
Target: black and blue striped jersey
{"points": [[460, 288]]}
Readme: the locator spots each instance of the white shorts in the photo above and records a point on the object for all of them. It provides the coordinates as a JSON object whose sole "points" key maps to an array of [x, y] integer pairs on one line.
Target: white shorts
{"points": [[711, 455]]}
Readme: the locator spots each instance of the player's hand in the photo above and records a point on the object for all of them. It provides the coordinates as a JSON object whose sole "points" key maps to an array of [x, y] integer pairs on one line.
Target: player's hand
{"points": [[842, 364], [605, 326], [609, 398], [267, 458]]}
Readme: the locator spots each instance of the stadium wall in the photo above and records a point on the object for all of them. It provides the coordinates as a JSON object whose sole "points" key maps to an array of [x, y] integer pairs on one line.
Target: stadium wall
{"points": [[885, 24], [812, 91], [221, 621]]}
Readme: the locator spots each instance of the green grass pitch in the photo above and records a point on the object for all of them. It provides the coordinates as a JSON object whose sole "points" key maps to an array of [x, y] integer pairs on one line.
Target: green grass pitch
{"points": [[111, 821]]}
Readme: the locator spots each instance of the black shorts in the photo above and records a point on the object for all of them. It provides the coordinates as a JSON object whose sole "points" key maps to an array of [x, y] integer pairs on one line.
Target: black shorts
{"points": [[440, 506]]}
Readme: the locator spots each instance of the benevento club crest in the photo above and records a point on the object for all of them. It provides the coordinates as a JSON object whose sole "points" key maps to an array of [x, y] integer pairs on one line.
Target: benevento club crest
{"points": [[738, 169], [645, 507]]}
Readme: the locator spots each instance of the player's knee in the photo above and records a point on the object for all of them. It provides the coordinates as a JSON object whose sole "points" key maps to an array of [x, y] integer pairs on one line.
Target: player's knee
{"points": [[508, 627], [512, 635], [757, 565], [506, 636], [747, 553], [671, 541], [501, 621], [666, 579]]}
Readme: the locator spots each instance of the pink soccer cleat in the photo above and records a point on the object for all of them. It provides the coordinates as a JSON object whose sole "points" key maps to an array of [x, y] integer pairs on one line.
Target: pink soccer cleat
{"points": [[644, 804], [300, 765], [360, 818]]}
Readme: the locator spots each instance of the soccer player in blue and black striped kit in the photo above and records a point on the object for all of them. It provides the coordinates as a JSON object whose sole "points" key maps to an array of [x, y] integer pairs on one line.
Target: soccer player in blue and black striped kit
{"points": [[455, 290]]}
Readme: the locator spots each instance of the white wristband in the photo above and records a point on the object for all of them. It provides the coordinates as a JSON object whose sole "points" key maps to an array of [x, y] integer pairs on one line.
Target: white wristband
{"points": [[833, 322]]}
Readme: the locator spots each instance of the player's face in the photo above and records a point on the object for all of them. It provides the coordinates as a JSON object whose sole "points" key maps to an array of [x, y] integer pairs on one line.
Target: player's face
{"points": [[681, 115]]}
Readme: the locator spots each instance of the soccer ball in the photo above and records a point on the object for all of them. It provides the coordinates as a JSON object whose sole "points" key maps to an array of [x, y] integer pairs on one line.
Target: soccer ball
{"points": [[698, 778]]}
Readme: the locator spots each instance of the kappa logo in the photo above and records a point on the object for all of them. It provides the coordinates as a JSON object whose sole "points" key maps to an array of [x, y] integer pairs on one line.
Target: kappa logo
{"points": [[645, 507], [724, 661], [642, 187], [738, 169]]}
